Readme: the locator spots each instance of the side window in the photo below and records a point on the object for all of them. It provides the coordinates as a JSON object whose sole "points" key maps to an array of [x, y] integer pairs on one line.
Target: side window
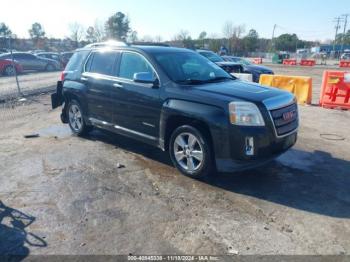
{"points": [[102, 63], [29, 57], [132, 63], [76, 61]]}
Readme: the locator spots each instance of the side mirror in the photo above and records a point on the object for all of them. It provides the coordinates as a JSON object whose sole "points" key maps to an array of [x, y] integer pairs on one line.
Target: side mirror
{"points": [[144, 77]]}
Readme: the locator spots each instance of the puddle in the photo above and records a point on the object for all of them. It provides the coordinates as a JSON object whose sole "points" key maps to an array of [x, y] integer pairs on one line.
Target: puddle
{"points": [[60, 131], [297, 159]]}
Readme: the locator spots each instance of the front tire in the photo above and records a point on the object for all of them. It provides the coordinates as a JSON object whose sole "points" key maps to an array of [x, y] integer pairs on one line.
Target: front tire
{"points": [[190, 152], [76, 120]]}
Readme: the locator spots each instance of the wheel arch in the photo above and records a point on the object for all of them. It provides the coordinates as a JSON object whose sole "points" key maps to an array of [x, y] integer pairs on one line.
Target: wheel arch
{"points": [[210, 120]]}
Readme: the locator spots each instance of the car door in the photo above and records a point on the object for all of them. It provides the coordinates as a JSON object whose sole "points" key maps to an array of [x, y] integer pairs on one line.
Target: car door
{"points": [[21, 59], [99, 80], [138, 104]]}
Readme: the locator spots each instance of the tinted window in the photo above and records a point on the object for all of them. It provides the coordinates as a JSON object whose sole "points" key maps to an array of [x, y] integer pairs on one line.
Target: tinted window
{"points": [[132, 63], [76, 60], [27, 56], [7, 56], [102, 62]]}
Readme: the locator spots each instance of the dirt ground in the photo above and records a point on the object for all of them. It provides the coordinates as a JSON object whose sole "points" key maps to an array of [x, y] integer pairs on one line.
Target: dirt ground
{"points": [[106, 194]]}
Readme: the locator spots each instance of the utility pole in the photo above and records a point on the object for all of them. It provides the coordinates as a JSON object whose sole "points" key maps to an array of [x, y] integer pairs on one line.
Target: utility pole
{"points": [[337, 20], [344, 32], [273, 36]]}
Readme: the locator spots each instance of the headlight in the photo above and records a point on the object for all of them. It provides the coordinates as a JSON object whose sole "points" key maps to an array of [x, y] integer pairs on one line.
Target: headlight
{"points": [[245, 114]]}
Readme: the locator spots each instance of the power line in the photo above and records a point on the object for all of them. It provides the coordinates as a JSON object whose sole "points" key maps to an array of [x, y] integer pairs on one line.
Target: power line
{"points": [[344, 32], [337, 20]]}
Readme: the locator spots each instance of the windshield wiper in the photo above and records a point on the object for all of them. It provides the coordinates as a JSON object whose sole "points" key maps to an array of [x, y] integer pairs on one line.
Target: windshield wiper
{"points": [[192, 82], [220, 78]]}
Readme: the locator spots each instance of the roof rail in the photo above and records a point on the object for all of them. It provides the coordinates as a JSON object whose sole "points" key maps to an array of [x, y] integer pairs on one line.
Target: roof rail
{"points": [[107, 43], [150, 44]]}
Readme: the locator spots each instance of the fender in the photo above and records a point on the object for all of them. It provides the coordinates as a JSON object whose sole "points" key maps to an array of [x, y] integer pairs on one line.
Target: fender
{"points": [[214, 117]]}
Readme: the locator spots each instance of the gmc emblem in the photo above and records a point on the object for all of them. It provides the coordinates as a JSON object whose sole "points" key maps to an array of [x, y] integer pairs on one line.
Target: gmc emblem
{"points": [[288, 115]]}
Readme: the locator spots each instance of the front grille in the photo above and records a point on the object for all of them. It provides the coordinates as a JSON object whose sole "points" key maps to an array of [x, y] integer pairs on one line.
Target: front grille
{"points": [[285, 119]]}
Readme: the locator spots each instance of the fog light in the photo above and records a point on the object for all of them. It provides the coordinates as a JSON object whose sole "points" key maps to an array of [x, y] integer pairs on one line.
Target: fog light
{"points": [[249, 146]]}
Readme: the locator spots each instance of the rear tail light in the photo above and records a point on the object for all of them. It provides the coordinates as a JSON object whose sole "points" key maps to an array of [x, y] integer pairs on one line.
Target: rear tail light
{"points": [[62, 76]]}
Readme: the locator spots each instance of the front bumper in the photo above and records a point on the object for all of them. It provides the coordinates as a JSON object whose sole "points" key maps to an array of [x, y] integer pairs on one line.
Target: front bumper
{"points": [[245, 147], [264, 151]]}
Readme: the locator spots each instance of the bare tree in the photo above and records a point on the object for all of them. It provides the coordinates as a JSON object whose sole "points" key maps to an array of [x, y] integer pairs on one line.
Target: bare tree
{"points": [[147, 38], [232, 33], [76, 32], [158, 39], [100, 33], [228, 29]]}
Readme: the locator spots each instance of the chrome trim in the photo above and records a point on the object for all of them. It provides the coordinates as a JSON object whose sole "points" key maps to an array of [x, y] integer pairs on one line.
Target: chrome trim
{"points": [[117, 78], [273, 122], [280, 101], [148, 62], [135, 132], [98, 122], [148, 124]]}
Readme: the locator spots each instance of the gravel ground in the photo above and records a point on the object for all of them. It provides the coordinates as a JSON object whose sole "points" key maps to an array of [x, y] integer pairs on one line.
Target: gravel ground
{"points": [[106, 194]]}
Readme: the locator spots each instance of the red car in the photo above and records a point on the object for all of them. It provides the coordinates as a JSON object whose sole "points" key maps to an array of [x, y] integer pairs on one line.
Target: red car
{"points": [[7, 69]]}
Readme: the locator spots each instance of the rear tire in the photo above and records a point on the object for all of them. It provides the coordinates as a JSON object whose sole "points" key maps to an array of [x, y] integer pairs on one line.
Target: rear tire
{"points": [[76, 120], [50, 68], [190, 152]]}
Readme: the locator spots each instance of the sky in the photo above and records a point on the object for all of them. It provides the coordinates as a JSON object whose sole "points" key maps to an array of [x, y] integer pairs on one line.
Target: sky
{"points": [[309, 19]]}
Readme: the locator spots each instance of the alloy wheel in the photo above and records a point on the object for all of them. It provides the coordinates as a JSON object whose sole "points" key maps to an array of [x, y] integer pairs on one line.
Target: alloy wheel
{"points": [[188, 152], [75, 118]]}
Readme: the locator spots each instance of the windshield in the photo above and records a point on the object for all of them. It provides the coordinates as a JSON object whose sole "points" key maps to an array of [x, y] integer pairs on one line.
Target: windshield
{"points": [[212, 56], [244, 62], [190, 68], [239, 60]]}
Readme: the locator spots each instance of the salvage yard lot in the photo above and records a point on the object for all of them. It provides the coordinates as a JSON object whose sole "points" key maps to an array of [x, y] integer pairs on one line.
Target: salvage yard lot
{"points": [[106, 194]]}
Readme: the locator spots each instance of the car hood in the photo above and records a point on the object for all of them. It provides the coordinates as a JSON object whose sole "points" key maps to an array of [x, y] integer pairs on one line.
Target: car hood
{"points": [[240, 90], [258, 68]]}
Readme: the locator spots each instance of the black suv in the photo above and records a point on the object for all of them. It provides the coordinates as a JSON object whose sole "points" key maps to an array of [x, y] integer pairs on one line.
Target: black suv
{"points": [[179, 101]]}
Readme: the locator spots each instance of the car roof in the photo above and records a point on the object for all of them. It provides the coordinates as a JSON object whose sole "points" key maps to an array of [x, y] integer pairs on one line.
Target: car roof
{"points": [[47, 53], [204, 50], [144, 48]]}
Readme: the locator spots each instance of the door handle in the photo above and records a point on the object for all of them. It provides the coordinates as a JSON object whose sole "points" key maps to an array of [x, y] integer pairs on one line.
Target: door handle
{"points": [[84, 78], [118, 85]]}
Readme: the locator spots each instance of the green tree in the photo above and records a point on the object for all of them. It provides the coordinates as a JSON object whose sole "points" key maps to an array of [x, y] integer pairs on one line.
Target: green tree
{"points": [[36, 31], [341, 37], [4, 30], [117, 26], [202, 35], [251, 41], [286, 42]]}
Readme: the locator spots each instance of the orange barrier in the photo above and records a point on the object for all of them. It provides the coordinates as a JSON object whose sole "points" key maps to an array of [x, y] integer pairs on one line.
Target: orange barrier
{"points": [[344, 63], [289, 61], [257, 60], [300, 86], [335, 92], [307, 62]]}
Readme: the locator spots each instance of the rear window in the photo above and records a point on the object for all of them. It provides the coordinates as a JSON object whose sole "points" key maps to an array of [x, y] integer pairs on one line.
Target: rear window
{"points": [[76, 61], [102, 63]]}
